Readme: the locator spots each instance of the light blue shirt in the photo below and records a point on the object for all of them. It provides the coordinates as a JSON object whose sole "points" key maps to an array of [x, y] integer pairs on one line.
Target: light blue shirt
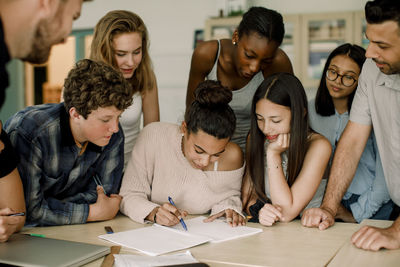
{"points": [[369, 180]]}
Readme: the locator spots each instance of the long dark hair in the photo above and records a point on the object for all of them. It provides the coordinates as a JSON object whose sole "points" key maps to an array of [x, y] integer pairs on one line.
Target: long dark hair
{"points": [[323, 100], [282, 89], [210, 111], [263, 21]]}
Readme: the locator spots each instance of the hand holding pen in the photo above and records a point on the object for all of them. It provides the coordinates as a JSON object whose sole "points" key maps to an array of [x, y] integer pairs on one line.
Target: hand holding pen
{"points": [[168, 214], [10, 222]]}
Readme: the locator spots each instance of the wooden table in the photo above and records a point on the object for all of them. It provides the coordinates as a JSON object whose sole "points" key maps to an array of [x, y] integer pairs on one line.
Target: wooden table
{"points": [[349, 255], [284, 244]]}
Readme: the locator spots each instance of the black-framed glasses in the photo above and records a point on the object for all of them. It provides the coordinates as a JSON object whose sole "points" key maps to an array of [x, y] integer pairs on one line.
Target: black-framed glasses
{"points": [[347, 80]]}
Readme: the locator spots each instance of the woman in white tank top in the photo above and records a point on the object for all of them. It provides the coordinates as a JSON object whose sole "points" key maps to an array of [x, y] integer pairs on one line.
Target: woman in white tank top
{"points": [[121, 39]]}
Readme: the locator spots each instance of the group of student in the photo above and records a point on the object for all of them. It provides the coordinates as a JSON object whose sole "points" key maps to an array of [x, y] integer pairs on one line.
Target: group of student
{"points": [[250, 142]]}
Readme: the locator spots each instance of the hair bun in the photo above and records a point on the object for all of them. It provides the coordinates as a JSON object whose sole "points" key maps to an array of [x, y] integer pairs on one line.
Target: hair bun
{"points": [[212, 94]]}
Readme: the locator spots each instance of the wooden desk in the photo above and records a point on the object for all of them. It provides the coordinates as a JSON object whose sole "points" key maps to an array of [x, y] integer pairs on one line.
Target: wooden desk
{"points": [[280, 245], [284, 244], [349, 255]]}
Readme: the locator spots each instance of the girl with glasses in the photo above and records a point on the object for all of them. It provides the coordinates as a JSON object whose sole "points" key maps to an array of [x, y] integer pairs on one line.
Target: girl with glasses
{"points": [[367, 196]]}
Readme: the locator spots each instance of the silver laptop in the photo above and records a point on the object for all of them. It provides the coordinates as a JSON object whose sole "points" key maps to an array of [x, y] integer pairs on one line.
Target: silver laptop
{"points": [[25, 250]]}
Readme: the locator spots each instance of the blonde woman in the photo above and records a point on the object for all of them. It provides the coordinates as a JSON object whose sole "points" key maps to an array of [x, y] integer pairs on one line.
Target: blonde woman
{"points": [[121, 40]]}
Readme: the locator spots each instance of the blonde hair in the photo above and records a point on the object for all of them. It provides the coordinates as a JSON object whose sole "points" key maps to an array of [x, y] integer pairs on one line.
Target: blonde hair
{"points": [[118, 22]]}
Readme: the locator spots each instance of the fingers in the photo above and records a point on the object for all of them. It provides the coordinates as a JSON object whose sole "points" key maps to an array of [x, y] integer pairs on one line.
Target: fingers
{"points": [[116, 196], [7, 221], [100, 190], [269, 214], [215, 216], [283, 140], [327, 220], [184, 213], [317, 217], [168, 215], [367, 238], [6, 211], [237, 219], [229, 217], [232, 217]]}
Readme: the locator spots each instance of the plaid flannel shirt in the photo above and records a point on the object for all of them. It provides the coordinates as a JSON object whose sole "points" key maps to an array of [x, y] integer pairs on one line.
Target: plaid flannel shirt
{"points": [[58, 182]]}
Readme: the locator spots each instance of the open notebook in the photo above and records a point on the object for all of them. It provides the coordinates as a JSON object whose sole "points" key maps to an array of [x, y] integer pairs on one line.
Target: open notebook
{"points": [[156, 240]]}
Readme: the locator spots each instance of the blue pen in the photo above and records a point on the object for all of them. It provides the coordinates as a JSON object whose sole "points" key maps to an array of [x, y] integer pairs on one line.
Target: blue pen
{"points": [[181, 220]]}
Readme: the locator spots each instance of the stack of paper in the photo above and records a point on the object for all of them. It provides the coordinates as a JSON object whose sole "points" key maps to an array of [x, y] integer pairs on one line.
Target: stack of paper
{"points": [[157, 239], [125, 260]]}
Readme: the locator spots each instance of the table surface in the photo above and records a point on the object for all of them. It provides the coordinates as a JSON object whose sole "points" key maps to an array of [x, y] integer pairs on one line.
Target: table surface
{"points": [[349, 255], [284, 244]]}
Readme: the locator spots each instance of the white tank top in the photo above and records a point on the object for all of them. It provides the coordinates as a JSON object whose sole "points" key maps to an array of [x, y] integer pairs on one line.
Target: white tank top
{"points": [[130, 122]]}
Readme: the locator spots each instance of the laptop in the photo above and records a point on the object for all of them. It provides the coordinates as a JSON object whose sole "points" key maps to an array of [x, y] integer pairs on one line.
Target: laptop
{"points": [[25, 250]]}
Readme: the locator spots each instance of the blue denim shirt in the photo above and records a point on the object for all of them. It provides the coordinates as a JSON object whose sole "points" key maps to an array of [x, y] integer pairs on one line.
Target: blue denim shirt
{"points": [[369, 181], [58, 182]]}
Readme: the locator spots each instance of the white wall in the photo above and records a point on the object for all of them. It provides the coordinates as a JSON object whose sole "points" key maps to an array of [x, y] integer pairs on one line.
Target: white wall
{"points": [[171, 24]]}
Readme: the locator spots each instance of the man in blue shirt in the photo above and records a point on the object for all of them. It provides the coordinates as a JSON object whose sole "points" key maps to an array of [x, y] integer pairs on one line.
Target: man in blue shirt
{"points": [[68, 149]]}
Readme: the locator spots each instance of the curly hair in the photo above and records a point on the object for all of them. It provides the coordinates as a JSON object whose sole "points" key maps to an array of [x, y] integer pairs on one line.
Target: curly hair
{"points": [[92, 84]]}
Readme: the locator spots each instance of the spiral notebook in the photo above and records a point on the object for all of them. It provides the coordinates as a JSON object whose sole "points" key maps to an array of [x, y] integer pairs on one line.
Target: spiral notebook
{"points": [[156, 240]]}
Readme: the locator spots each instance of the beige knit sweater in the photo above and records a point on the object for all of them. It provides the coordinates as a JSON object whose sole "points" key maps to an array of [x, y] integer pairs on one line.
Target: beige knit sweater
{"points": [[158, 169]]}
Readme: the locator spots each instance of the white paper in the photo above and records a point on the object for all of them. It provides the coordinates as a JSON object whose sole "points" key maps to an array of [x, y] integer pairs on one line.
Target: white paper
{"points": [[125, 260], [218, 230], [154, 240], [157, 239]]}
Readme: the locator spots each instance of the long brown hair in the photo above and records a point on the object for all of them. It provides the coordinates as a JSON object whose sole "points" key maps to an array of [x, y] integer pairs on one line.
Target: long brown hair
{"points": [[118, 22], [282, 89]]}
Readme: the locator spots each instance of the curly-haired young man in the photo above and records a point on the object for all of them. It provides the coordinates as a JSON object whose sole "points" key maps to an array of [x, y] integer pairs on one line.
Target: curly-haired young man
{"points": [[67, 149]]}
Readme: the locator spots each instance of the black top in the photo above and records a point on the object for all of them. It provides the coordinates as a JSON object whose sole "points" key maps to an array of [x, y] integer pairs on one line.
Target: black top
{"points": [[8, 157], [4, 58]]}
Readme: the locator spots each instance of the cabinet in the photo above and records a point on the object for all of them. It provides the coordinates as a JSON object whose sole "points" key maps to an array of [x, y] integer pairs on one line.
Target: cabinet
{"points": [[321, 33], [308, 40]]}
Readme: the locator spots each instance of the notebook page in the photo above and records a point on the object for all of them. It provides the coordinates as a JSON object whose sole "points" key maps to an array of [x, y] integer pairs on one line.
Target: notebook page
{"points": [[218, 230], [155, 240]]}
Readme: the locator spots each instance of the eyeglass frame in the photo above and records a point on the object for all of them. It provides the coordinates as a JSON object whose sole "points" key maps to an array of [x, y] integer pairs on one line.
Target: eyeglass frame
{"points": [[341, 77]]}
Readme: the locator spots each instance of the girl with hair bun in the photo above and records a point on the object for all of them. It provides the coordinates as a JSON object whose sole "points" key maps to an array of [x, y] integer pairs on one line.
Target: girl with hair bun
{"points": [[194, 163]]}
